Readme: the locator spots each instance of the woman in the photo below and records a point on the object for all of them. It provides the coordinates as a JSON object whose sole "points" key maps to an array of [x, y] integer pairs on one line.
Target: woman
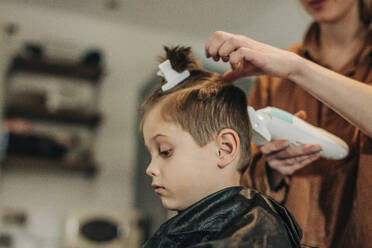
{"points": [[330, 199]]}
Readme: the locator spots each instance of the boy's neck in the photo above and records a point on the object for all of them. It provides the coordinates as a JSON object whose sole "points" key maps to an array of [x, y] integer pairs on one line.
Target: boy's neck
{"points": [[225, 180]]}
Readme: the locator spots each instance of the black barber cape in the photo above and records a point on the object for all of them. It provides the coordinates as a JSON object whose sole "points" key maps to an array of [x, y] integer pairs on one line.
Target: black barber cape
{"points": [[232, 217]]}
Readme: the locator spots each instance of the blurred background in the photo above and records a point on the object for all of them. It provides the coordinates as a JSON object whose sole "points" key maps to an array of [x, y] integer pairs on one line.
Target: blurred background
{"points": [[72, 76]]}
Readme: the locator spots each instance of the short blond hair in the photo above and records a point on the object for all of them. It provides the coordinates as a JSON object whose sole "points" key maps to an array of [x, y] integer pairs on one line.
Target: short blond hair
{"points": [[203, 104]]}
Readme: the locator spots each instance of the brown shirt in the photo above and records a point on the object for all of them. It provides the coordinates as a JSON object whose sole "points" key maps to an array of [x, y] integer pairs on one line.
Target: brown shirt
{"points": [[331, 200]]}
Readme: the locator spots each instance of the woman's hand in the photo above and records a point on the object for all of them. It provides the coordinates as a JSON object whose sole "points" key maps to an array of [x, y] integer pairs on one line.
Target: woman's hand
{"points": [[248, 57], [284, 160], [287, 159]]}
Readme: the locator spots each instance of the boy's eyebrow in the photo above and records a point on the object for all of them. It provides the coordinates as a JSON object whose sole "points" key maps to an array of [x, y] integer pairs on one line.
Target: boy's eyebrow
{"points": [[154, 137]]}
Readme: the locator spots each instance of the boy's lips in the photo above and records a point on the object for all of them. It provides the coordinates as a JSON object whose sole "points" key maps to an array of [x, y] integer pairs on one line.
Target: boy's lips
{"points": [[158, 189]]}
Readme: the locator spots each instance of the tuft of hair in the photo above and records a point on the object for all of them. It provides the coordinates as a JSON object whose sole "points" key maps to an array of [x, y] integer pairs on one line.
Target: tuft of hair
{"points": [[203, 104]]}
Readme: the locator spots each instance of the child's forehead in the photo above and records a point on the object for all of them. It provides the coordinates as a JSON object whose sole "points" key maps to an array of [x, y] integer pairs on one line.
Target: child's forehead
{"points": [[155, 111], [162, 106], [156, 121]]}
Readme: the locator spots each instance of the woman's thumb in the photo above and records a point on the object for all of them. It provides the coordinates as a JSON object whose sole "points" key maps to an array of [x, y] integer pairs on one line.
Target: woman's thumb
{"points": [[301, 114]]}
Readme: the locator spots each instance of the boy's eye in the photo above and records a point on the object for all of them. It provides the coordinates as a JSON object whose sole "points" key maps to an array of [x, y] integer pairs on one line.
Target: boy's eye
{"points": [[165, 153]]}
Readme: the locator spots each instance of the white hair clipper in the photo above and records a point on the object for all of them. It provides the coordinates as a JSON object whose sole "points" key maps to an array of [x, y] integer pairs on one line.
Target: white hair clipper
{"points": [[275, 124]]}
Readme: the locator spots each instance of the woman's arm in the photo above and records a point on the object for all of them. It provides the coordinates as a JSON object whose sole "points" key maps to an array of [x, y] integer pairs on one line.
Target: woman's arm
{"points": [[349, 98]]}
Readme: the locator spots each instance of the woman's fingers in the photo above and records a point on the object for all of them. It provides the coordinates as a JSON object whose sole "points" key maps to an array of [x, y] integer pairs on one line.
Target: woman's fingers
{"points": [[240, 55], [214, 43], [289, 166], [274, 146], [292, 152], [230, 45], [222, 44], [301, 114], [288, 159], [247, 69], [248, 57], [225, 58], [216, 58]]}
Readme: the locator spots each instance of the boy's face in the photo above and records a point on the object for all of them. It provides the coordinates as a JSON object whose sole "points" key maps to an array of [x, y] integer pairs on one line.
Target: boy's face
{"points": [[182, 172]]}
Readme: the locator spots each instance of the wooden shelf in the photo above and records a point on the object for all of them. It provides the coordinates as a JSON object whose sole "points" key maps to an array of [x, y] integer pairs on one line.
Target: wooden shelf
{"points": [[87, 167], [59, 68], [34, 108], [40, 113]]}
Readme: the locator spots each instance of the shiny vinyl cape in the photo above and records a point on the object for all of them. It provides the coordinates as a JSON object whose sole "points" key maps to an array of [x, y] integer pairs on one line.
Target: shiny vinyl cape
{"points": [[232, 217]]}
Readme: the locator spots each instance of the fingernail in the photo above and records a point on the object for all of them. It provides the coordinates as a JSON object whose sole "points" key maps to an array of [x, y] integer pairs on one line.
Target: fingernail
{"points": [[315, 149], [286, 143]]}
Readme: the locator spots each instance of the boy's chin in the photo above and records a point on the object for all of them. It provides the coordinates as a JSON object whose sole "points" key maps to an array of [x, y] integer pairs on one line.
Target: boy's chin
{"points": [[172, 206]]}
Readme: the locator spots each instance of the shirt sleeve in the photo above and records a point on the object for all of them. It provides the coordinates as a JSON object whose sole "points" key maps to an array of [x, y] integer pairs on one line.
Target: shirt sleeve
{"points": [[256, 175]]}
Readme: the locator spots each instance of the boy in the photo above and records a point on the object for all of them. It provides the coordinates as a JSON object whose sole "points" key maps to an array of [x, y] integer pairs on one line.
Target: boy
{"points": [[198, 134]]}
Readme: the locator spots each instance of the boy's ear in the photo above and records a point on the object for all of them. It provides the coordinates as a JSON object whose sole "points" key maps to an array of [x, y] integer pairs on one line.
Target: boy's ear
{"points": [[228, 144]]}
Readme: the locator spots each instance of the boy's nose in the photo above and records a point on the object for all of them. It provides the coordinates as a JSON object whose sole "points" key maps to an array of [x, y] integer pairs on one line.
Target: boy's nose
{"points": [[152, 170]]}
